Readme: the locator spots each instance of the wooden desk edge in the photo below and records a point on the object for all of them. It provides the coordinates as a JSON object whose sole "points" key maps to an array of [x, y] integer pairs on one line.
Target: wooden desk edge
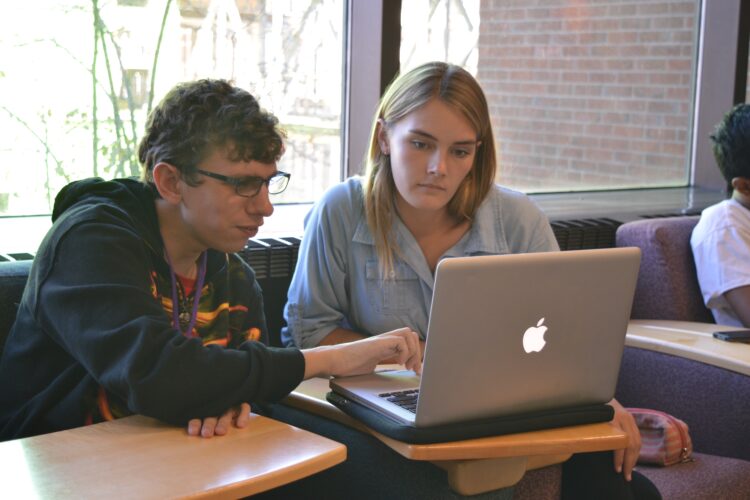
{"points": [[477, 465], [653, 335], [279, 478], [106, 439], [547, 442], [559, 441], [324, 409]]}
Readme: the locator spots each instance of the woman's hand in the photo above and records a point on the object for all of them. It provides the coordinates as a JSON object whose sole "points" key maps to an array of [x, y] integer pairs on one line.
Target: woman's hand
{"points": [[362, 356], [625, 459], [212, 426]]}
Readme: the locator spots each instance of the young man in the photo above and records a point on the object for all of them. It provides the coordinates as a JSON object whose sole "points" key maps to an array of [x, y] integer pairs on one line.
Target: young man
{"points": [[721, 239], [136, 302]]}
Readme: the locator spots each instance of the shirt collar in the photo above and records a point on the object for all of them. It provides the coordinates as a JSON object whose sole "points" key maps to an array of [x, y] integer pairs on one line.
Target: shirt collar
{"points": [[486, 235], [362, 233]]}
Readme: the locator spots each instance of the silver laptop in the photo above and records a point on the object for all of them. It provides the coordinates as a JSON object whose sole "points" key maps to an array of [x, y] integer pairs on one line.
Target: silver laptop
{"points": [[510, 334]]}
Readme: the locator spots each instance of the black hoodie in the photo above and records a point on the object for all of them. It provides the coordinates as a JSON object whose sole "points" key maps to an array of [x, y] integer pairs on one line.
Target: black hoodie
{"points": [[93, 338]]}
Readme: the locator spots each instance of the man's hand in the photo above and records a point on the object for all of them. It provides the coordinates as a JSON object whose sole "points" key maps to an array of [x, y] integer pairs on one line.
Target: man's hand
{"points": [[625, 459], [394, 361], [362, 356], [212, 426]]}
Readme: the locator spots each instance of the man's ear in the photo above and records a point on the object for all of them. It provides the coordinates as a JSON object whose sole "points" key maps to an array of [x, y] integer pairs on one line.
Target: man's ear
{"points": [[382, 136], [742, 185], [167, 181]]}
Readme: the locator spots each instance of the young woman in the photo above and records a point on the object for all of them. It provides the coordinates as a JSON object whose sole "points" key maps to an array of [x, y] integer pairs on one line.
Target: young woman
{"points": [[371, 245], [367, 259]]}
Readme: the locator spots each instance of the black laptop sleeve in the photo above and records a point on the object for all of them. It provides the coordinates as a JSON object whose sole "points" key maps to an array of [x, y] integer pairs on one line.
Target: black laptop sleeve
{"points": [[510, 424]]}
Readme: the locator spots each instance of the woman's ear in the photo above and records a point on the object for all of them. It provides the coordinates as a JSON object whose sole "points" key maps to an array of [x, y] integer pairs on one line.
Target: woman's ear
{"points": [[167, 181], [382, 136]]}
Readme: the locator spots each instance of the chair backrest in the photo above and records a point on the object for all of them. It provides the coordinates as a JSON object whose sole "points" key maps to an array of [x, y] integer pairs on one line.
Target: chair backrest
{"points": [[667, 285]]}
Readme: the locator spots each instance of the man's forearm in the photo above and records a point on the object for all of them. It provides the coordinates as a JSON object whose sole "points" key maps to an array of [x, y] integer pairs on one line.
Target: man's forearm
{"points": [[342, 335], [317, 362]]}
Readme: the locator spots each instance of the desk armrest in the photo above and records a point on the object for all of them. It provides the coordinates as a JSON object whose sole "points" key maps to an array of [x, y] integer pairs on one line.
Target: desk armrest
{"points": [[690, 340], [477, 465], [146, 458], [310, 396], [679, 368]]}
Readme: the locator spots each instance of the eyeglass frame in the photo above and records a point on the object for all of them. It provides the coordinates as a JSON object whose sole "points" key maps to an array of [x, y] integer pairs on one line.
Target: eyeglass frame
{"points": [[236, 181]]}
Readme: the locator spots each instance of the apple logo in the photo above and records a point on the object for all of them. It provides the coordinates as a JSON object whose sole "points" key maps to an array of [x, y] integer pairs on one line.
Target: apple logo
{"points": [[533, 337]]}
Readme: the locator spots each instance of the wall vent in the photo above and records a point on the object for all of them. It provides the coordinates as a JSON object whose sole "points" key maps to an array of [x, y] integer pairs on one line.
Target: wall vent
{"points": [[580, 234], [272, 257], [273, 260], [12, 257]]}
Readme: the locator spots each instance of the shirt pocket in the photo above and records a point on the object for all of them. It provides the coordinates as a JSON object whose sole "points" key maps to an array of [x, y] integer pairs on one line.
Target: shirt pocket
{"points": [[397, 294]]}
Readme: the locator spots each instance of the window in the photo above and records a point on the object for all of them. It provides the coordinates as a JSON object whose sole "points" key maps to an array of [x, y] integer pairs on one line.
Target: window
{"points": [[583, 95], [63, 123]]}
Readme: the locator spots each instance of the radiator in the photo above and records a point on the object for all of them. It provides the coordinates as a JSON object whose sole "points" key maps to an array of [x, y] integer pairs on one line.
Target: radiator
{"points": [[274, 259], [580, 234], [271, 257]]}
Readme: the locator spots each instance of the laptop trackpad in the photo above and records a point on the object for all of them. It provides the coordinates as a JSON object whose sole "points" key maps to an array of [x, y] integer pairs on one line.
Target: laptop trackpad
{"points": [[387, 381]]}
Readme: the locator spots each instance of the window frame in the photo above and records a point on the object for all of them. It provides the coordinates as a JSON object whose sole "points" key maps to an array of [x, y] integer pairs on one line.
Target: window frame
{"points": [[717, 80]]}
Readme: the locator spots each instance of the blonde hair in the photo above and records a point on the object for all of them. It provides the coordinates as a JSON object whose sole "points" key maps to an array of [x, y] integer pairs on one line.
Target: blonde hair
{"points": [[457, 88]]}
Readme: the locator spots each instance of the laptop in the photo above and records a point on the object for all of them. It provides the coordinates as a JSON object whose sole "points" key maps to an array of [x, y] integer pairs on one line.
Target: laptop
{"points": [[511, 334]]}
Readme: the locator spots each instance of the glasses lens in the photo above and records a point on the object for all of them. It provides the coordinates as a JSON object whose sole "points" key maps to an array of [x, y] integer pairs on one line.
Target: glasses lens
{"points": [[249, 186], [277, 183]]}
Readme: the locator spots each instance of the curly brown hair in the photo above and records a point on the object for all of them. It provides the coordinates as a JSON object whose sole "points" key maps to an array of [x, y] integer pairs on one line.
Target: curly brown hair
{"points": [[196, 118]]}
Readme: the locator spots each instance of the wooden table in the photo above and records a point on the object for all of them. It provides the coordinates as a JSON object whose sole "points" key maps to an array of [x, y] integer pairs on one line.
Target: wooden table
{"points": [[139, 457], [690, 340], [477, 465]]}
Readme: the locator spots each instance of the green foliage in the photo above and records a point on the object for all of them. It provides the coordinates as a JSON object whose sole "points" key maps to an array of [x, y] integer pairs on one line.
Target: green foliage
{"points": [[120, 155]]}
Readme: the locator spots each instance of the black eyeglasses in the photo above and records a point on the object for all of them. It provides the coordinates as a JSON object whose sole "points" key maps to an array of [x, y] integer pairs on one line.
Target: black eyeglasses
{"points": [[250, 186]]}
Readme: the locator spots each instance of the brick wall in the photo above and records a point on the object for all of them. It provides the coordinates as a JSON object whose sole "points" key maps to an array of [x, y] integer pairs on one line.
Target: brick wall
{"points": [[594, 93]]}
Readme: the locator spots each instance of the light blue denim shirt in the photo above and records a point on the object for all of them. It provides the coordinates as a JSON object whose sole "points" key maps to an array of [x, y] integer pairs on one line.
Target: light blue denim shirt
{"points": [[337, 280]]}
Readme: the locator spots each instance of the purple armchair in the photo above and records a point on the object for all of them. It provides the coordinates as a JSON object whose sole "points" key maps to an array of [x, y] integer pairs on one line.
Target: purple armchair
{"points": [[713, 401], [667, 285]]}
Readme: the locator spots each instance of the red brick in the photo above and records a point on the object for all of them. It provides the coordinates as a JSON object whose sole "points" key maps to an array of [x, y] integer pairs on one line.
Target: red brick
{"points": [[549, 121]]}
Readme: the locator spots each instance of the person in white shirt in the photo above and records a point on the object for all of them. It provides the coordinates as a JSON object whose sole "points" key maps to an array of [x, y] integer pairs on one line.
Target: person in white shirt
{"points": [[721, 239]]}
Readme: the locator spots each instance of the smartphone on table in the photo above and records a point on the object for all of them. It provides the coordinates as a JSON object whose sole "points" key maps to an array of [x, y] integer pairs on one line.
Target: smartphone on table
{"points": [[734, 335]]}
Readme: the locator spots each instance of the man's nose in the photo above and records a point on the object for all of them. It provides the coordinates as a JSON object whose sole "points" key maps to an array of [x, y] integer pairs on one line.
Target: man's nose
{"points": [[260, 204]]}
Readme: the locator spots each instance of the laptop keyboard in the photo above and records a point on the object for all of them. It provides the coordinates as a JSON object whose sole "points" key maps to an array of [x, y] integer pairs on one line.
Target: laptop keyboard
{"points": [[405, 399]]}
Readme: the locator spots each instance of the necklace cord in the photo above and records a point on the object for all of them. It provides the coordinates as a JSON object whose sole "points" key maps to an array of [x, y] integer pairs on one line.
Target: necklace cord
{"points": [[196, 296]]}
